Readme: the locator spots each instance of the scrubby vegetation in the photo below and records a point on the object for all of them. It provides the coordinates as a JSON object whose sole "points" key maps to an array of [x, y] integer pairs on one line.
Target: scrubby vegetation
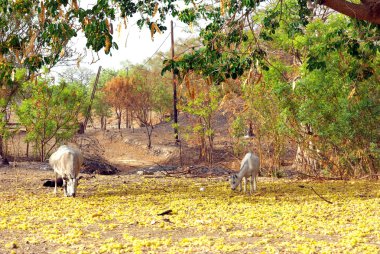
{"points": [[295, 74]]}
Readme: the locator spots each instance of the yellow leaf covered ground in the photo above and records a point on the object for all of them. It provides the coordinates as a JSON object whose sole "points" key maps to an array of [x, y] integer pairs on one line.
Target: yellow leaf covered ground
{"points": [[119, 214]]}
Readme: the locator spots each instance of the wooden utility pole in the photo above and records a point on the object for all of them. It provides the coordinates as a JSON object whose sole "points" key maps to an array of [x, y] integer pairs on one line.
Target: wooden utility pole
{"points": [[175, 112], [88, 113]]}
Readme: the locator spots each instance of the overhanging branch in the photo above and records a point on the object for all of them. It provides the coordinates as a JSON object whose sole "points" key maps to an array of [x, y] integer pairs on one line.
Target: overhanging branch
{"points": [[368, 10]]}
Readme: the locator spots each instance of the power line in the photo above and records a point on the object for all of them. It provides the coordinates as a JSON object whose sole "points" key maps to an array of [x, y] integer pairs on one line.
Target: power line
{"points": [[157, 49], [150, 58]]}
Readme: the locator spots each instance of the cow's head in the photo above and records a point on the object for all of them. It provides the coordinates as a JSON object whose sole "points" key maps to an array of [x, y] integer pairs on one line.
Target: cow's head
{"points": [[70, 187], [234, 181]]}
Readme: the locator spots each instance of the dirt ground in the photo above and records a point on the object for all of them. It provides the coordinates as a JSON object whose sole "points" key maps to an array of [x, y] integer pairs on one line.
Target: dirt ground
{"points": [[127, 148], [119, 213]]}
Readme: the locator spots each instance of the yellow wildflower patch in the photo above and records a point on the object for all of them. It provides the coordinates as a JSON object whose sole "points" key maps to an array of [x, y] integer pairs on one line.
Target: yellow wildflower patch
{"points": [[120, 214]]}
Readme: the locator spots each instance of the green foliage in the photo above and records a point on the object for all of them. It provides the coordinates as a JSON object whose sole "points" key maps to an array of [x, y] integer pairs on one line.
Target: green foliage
{"points": [[36, 33], [220, 57], [188, 15], [332, 61], [238, 127], [162, 99], [149, 82], [203, 107], [105, 76], [268, 109], [100, 106], [240, 146], [49, 114], [342, 98], [336, 91]]}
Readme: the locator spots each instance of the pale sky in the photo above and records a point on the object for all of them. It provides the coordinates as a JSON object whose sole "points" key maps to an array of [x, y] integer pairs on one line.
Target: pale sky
{"points": [[135, 45]]}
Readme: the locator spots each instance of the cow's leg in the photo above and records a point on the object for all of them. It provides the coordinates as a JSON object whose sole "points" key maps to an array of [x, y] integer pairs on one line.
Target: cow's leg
{"points": [[55, 184], [251, 184], [64, 186]]}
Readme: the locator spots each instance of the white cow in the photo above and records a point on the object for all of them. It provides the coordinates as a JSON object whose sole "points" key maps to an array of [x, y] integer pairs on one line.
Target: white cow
{"points": [[66, 162], [249, 167]]}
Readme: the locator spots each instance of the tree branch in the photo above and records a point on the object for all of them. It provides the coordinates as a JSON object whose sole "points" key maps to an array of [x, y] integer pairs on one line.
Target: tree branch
{"points": [[311, 188], [368, 10]]}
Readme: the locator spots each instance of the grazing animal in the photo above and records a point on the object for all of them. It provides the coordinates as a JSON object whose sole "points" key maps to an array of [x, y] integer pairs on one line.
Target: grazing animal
{"points": [[51, 183], [249, 167], [66, 162]]}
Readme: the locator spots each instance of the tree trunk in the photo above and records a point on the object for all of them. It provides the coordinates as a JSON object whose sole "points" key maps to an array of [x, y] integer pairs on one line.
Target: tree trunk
{"points": [[211, 149], [42, 155], [202, 140], [131, 119], [149, 131], [210, 137], [103, 123], [118, 115], [250, 129], [3, 151], [1, 147], [202, 148], [260, 148], [369, 10], [127, 119], [81, 128], [27, 149]]}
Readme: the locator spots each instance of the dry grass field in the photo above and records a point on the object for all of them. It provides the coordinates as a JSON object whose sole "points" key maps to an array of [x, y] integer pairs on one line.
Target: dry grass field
{"points": [[120, 214]]}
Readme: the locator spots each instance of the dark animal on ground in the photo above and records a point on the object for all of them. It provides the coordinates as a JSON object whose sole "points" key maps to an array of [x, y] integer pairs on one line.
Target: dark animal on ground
{"points": [[51, 183]]}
